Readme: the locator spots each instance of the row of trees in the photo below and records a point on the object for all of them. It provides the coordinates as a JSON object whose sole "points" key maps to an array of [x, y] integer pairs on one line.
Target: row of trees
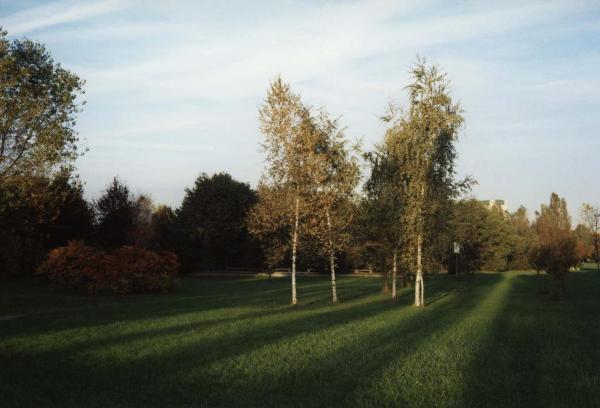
{"points": [[206, 232], [309, 183], [413, 208]]}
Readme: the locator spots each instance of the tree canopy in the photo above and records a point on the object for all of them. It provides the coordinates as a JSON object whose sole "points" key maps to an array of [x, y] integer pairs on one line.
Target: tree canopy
{"points": [[38, 109], [211, 224], [421, 145]]}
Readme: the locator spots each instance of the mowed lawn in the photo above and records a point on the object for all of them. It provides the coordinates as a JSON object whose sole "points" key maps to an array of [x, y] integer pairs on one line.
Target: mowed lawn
{"points": [[486, 341]]}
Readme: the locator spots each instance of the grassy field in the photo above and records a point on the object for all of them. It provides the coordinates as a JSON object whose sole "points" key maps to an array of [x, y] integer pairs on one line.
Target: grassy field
{"points": [[486, 341]]}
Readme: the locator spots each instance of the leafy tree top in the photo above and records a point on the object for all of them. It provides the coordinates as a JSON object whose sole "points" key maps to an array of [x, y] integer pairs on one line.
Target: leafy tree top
{"points": [[38, 108]]}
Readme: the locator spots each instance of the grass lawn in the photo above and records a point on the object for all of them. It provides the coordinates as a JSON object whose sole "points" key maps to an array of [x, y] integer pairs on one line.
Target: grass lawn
{"points": [[589, 266], [486, 341]]}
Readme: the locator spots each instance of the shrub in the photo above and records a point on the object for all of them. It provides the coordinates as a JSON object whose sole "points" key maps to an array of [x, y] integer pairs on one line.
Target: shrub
{"points": [[557, 251], [556, 258], [125, 270], [135, 269], [75, 266]]}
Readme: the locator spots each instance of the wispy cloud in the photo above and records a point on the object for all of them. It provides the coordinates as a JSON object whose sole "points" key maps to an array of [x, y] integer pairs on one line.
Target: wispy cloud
{"points": [[302, 47], [173, 87], [56, 13]]}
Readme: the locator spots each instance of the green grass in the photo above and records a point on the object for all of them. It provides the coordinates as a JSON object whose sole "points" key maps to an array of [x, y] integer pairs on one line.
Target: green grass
{"points": [[590, 266], [487, 341]]}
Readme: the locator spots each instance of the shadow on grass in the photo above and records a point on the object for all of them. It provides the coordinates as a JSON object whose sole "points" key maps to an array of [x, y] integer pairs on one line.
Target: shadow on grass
{"points": [[50, 315], [538, 352], [222, 295], [196, 321], [337, 377], [265, 359]]}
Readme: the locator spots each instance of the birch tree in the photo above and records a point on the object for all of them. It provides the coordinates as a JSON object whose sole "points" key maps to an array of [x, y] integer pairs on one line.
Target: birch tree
{"points": [[590, 217], [333, 202], [293, 166], [423, 142]]}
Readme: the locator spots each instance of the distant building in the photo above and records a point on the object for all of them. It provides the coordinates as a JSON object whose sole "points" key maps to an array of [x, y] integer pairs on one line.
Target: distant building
{"points": [[489, 204]]}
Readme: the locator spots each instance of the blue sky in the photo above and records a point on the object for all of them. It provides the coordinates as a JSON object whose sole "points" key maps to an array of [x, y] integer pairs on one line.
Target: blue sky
{"points": [[173, 88]]}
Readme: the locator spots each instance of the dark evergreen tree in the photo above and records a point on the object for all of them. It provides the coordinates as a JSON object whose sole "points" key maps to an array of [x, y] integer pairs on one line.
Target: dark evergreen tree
{"points": [[211, 224], [162, 227], [115, 216]]}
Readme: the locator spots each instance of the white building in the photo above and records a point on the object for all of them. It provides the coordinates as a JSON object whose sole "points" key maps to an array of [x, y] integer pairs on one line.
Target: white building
{"points": [[489, 204]]}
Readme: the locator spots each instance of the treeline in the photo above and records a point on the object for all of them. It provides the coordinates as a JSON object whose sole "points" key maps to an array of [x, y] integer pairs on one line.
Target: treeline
{"points": [[209, 230], [206, 232]]}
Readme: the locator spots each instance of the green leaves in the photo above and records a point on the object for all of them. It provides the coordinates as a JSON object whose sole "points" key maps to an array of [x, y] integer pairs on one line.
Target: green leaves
{"points": [[413, 169], [38, 109]]}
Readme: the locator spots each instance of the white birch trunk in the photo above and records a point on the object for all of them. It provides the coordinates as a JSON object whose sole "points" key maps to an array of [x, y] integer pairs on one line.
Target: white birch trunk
{"points": [[419, 289], [331, 260], [419, 284], [422, 291], [394, 274], [294, 247]]}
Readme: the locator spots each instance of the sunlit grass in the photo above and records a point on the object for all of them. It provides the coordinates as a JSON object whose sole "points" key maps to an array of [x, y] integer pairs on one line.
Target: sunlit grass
{"points": [[487, 341], [589, 266]]}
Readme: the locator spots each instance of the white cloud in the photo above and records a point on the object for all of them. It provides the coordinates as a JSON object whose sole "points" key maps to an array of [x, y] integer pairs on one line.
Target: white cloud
{"points": [[301, 47], [57, 13], [170, 77]]}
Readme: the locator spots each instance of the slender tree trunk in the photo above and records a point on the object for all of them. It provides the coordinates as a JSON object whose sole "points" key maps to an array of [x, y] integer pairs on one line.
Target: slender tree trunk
{"points": [[419, 286], [334, 298], [394, 274], [294, 248], [331, 260], [422, 291]]}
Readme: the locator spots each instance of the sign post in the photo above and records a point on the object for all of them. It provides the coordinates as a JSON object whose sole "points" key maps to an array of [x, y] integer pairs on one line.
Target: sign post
{"points": [[456, 252]]}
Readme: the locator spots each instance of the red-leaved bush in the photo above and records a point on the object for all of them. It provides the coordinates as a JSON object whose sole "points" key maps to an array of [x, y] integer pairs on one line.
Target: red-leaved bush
{"points": [[126, 270], [136, 270], [75, 266]]}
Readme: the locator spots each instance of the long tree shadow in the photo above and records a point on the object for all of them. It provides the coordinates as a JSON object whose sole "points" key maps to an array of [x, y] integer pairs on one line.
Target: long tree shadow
{"points": [[184, 369], [186, 353], [538, 352], [196, 322], [198, 296], [418, 372], [337, 377], [223, 296]]}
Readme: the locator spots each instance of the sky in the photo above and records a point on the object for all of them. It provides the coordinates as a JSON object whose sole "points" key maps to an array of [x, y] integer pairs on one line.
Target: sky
{"points": [[173, 87]]}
